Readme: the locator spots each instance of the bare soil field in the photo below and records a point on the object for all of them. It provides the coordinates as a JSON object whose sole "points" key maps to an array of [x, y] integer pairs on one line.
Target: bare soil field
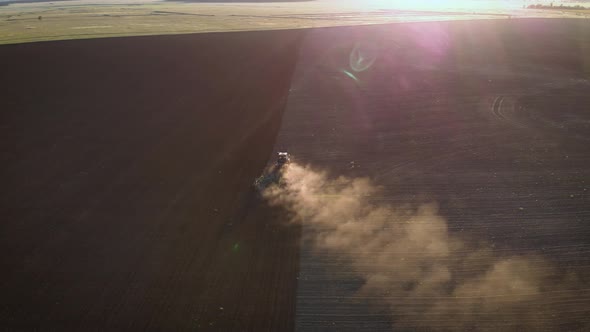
{"points": [[455, 193], [488, 121], [127, 167]]}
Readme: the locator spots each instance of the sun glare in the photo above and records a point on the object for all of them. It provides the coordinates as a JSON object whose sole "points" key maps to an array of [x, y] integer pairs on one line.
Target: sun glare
{"points": [[439, 5]]}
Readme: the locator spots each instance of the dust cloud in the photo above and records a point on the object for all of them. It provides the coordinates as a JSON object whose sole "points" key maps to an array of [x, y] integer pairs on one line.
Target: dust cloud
{"points": [[429, 278]]}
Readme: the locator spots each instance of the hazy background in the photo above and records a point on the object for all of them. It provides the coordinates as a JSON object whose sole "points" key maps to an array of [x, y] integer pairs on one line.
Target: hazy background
{"points": [[375, 4]]}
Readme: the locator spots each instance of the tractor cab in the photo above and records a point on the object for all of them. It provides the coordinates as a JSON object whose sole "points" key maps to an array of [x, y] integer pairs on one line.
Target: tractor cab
{"points": [[283, 158]]}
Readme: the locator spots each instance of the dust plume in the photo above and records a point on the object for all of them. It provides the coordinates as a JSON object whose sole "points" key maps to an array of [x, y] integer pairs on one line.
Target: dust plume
{"points": [[430, 279]]}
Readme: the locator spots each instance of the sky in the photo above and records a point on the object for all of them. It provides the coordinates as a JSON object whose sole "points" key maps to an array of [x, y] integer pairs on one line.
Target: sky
{"points": [[416, 4], [448, 4], [429, 5]]}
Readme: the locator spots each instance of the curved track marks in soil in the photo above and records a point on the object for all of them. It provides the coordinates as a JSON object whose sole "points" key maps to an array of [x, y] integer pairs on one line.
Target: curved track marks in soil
{"points": [[550, 108]]}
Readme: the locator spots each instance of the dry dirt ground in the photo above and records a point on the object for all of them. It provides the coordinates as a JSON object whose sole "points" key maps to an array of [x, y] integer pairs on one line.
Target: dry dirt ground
{"points": [[127, 167], [489, 121]]}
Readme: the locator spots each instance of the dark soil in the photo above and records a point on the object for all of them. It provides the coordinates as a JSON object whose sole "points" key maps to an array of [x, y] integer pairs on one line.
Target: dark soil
{"points": [[127, 167], [128, 163], [488, 119]]}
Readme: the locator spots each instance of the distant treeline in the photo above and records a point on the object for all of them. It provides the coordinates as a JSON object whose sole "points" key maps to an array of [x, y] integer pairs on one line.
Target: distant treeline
{"points": [[551, 6]]}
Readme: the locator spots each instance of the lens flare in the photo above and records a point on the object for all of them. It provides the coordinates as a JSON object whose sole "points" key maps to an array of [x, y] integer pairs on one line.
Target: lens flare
{"points": [[361, 58], [349, 74]]}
